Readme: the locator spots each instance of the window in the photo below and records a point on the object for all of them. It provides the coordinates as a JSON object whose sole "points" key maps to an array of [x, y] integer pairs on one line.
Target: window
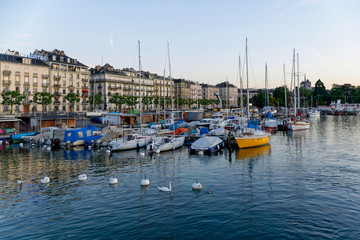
{"points": [[44, 89], [77, 91], [44, 81], [71, 75], [17, 78], [88, 133], [80, 134], [17, 108], [64, 75], [69, 134], [26, 80], [54, 58], [6, 67], [17, 69], [77, 84], [64, 91], [6, 108], [35, 90], [71, 91], [78, 76], [35, 80], [64, 108], [45, 71], [26, 89], [17, 89], [26, 70], [6, 77], [64, 83], [45, 108]]}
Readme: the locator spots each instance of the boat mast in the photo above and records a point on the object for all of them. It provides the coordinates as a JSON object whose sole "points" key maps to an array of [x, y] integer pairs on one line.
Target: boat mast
{"points": [[298, 75], [241, 89], [285, 91], [140, 89], [172, 104], [164, 98], [265, 88], [247, 82], [294, 83]]}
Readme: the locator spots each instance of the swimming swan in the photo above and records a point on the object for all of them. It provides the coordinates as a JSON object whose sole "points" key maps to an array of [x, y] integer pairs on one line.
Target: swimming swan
{"points": [[113, 180], [145, 182], [196, 186], [82, 177], [165, 189], [45, 180]]}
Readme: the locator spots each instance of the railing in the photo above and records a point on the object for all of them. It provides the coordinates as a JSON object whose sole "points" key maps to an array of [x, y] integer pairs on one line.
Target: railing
{"points": [[6, 82], [45, 84], [6, 72], [57, 85], [45, 75], [27, 92], [85, 94], [56, 102], [57, 77], [35, 74], [26, 84], [17, 72], [57, 93], [17, 82]]}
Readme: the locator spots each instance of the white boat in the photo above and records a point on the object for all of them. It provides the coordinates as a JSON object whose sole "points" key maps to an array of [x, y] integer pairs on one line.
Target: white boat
{"points": [[207, 145], [218, 132], [205, 122], [162, 144], [132, 141], [297, 125], [217, 123], [314, 113]]}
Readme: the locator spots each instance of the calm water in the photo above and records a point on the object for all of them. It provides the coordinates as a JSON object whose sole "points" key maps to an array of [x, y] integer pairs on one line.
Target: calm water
{"points": [[303, 186]]}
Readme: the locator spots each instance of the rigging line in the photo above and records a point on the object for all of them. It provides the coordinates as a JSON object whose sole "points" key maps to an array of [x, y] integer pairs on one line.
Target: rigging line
{"points": [[135, 56], [252, 69]]}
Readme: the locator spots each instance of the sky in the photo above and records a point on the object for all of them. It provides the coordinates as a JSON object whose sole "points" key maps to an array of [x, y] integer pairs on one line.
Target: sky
{"points": [[206, 37]]}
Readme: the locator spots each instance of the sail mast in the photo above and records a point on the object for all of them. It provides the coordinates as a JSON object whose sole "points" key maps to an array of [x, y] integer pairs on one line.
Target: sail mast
{"points": [[298, 76], [172, 104], [294, 83], [164, 97], [247, 82], [140, 89]]}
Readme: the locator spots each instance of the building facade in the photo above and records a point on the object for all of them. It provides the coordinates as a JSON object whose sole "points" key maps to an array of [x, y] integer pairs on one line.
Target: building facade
{"points": [[196, 93], [67, 75], [163, 88], [182, 90], [306, 84], [210, 92], [26, 75], [228, 94]]}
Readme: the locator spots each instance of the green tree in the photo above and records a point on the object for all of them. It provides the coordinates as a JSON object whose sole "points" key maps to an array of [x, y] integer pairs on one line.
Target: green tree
{"points": [[131, 101], [190, 102], [43, 98], [118, 100], [98, 100], [279, 95], [72, 98], [167, 102], [12, 98], [320, 95], [147, 101], [259, 99]]}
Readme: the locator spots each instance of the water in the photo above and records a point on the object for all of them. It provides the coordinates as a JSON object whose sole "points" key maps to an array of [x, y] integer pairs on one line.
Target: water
{"points": [[303, 186]]}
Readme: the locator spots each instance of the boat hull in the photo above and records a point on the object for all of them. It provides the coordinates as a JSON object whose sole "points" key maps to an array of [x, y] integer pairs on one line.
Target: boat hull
{"points": [[250, 141], [127, 145], [298, 126]]}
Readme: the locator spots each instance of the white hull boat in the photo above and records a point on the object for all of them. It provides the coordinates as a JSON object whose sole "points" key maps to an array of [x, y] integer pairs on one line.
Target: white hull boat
{"points": [[132, 141], [162, 144], [298, 125]]}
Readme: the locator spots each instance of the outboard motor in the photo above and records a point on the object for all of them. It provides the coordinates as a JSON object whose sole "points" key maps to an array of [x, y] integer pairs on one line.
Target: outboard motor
{"points": [[55, 143]]}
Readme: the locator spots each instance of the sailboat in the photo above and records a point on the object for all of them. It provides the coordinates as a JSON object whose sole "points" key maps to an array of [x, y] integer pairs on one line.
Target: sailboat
{"points": [[270, 123], [166, 143], [132, 141], [296, 123], [250, 137]]}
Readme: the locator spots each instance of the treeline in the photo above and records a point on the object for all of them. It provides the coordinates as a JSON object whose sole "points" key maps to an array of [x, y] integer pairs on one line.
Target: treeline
{"points": [[318, 96]]}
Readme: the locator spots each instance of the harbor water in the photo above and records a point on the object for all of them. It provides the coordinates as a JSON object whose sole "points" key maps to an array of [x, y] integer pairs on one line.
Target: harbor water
{"points": [[304, 185]]}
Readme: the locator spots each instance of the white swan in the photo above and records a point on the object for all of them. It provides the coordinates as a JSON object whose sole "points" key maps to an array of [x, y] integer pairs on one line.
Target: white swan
{"points": [[145, 182], [165, 189], [20, 181], [113, 180], [196, 186], [201, 153], [142, 154], [82, 177], [45, 180]]}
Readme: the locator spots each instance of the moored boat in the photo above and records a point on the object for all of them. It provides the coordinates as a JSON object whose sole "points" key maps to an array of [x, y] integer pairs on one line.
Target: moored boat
{"points": [[207, 145]]}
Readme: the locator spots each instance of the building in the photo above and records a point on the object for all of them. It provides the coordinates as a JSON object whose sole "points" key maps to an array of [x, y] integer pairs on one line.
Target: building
{"points": [[182, 89], [67, 75], [228, 94], [163, 87], [210, 92], [306, 84], [107, 81], [196, 93], [26, 74]]}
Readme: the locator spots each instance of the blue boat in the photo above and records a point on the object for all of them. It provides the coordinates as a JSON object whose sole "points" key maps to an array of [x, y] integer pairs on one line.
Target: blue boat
{"points": [[207, 145], [78, 137], [19, 137]]}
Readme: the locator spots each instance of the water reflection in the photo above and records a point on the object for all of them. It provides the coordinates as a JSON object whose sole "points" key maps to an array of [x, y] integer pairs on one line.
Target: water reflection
{"points": [[253, 152]]}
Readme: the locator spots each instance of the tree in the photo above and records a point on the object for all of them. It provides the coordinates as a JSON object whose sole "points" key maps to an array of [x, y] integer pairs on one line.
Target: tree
{"points": [[118, 100], [259, 99], [279, 95], [72, 98], [43, 98], [98, 100], [147, 101], [190, 102], [181, 101], [320, 94], [156, 101], [167, 102], [132, 101], [12, 98]]}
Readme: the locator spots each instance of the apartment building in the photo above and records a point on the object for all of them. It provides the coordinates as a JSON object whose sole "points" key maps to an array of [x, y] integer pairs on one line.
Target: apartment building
{"points": [[196, 92], [182, 89], [210, 92], [228, 94], [107, 81], [163, 87], [26, 74]]}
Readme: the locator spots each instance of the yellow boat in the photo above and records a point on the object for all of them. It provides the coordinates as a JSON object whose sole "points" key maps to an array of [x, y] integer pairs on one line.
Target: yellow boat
{"points": [[254, 152], [253, 139]]}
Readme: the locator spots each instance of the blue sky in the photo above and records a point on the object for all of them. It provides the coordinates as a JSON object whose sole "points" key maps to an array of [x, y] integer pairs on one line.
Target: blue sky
{"points": [[206, 37]]}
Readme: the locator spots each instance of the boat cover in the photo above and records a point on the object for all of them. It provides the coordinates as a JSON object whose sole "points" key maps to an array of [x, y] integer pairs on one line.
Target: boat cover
{"points": [[205, 143]]}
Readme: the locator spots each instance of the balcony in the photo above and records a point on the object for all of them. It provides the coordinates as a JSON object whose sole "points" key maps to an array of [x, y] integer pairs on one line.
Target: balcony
{"points": [[84, 79], [56, 102], [57, 78], [112, 88], [45, 75], [17, 73], [26, 84], [84, 102], [27, 92], [6, 82], [45, 84], [26, 74], [85, 87], [35, 74], [6, 72], [85, 95], [57, 85], [56, 93], [99, 86], [17, 82], [26, 102]]}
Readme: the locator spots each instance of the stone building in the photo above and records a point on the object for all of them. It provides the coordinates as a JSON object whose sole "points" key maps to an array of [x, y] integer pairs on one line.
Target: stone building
{"points": [[26, 74], [210, 92], [228, 94]]}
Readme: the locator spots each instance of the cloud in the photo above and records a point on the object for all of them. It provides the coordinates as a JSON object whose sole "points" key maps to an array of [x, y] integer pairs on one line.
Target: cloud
{"points": [[112, 41], [318, 55]]}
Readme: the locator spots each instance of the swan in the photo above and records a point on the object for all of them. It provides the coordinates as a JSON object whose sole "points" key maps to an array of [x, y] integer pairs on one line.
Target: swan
{"points": [[196, 186], [142, 154], [201, 153], [145, 182], [113, 180], [158, 151], [45, 180], [165, 189], [82, 177], [20, 180]]}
